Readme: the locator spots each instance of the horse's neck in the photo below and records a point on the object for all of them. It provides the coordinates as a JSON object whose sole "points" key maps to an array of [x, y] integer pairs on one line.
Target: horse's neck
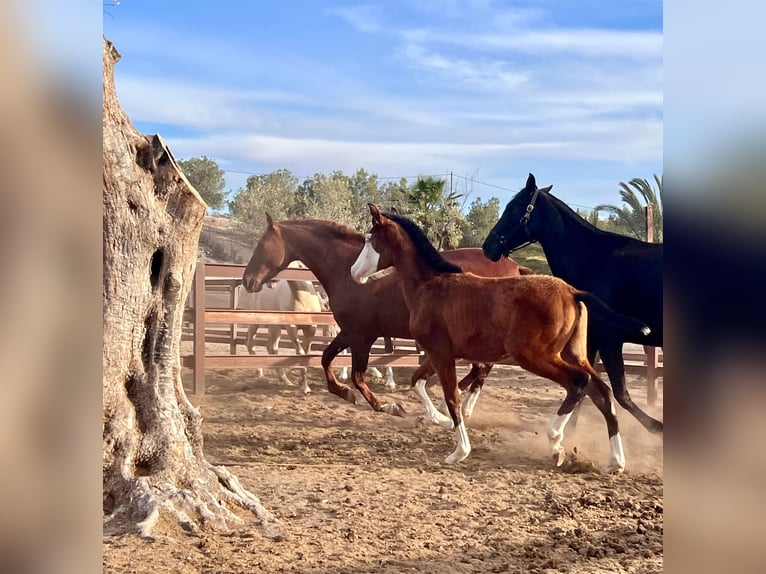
{"points": [[329, 259], [571, 247], [412, 273]]}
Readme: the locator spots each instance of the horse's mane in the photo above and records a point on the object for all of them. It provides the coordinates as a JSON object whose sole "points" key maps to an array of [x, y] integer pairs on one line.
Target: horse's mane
{"points": [[581, 222], [423, 247], [329, 228]]}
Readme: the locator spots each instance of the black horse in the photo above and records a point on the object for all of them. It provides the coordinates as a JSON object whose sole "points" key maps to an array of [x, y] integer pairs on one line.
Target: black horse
{"points": [[625, 272]]}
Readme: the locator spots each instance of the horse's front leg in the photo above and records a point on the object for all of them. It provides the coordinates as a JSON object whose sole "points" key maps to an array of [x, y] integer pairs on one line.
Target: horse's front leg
{"points": [[338, 344], [445, 368], [360, 356], [418, 381]]}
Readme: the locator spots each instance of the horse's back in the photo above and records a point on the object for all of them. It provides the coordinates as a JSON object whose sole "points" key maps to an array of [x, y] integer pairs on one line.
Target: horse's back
{"points": [[472, 260]]}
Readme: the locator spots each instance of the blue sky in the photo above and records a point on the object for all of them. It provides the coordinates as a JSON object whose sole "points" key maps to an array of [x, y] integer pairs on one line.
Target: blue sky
{"points": [[571, 91]]}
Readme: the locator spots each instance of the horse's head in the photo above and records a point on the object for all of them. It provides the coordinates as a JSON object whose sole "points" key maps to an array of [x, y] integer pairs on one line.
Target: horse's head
{"points": [[374, 260], [269, 258], [516, 227]]}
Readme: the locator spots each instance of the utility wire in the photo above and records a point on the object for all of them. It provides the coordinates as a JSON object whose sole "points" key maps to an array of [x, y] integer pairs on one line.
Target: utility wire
{"points": [[471, 179]]}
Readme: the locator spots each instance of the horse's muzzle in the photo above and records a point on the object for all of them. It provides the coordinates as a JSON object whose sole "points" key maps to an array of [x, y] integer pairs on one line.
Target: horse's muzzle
{"points": [[251, 285], [491, 252]]}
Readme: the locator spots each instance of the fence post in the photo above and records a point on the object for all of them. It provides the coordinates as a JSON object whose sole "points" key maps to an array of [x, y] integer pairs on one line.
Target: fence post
{"points": [[651, 352], [233, 301], [651, 374], [199, 329]]}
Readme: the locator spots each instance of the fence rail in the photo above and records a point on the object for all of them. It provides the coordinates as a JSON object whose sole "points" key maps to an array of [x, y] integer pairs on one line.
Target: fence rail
{"points": [[203, 324]]}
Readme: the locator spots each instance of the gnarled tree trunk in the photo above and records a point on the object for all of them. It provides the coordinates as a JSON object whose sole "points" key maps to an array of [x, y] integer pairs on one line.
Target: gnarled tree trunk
{"points": [[152, 450]]}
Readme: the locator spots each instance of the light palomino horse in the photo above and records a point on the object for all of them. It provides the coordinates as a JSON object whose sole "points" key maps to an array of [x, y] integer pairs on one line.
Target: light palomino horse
{"points": [[283, 296], [538, 321]]}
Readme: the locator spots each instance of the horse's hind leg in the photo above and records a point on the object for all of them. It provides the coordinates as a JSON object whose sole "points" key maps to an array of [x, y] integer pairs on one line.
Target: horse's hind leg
{"points": [[602, 398], [390, 381], [592, 351], [360, 355], [574, 381], [338, 344], [614, 363]]}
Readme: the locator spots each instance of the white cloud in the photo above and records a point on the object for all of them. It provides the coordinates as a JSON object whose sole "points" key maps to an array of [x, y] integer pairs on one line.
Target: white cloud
{"points": [[363, 17]]}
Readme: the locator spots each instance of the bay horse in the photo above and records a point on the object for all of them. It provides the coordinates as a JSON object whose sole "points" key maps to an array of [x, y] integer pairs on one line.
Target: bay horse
{"points": [[363, 312], [539, 321], [625, 273]]}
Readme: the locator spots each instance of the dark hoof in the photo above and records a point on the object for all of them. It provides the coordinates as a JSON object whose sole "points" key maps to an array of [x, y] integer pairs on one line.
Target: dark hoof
{"points": [[655, 427]]}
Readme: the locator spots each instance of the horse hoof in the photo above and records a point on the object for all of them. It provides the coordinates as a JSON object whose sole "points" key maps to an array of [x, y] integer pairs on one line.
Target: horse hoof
{"points": [[393, 409], [613, 468], [390, 385], [558, 457], [456, 457], [445, 423]]}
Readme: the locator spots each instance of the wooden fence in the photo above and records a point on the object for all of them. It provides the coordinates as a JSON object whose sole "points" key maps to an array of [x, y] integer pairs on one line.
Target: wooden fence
{"points": [[208, 323]]}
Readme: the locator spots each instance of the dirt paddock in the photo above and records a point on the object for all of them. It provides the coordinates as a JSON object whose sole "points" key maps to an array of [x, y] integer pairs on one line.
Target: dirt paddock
{"points": [[364, 492]]}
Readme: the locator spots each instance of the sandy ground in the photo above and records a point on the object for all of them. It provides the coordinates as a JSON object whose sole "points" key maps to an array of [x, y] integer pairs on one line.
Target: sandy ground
{"points": [[364, 492]]}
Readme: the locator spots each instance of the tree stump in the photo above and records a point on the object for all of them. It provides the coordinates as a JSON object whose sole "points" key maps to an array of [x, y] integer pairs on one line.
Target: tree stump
{"points": [[153, 461]]}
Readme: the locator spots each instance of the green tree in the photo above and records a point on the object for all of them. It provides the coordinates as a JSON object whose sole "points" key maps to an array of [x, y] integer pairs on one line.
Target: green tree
{"points": [[637, 194], [436, 211], [481, 217], [326, 197], [394, 194], [207, 178], [274, 192], [364, 189]]}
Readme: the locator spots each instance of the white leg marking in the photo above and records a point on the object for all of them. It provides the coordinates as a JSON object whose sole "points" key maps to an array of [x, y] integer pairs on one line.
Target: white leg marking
{"points": [[390, 382], [616, 462], [283, 377], [432, 414], [305, 388], [260, 373], [343, 374], [463, 445], [556, 435], [470, 403], [376, 373]]}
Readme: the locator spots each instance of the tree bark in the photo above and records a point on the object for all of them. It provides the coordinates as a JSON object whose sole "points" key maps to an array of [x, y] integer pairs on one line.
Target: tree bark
{"points": [[153, 461]]}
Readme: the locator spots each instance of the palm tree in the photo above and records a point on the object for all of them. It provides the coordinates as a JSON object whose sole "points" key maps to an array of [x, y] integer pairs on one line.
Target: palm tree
{"points": [[636, 195]]}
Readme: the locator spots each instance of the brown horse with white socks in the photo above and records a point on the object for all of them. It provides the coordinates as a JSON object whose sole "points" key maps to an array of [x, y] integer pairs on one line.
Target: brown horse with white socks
{"points": [[363, 312], [537, 320]]}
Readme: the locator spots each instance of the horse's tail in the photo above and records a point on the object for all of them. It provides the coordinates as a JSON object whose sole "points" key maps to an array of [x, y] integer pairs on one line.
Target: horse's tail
{"points": [[610, 317]]}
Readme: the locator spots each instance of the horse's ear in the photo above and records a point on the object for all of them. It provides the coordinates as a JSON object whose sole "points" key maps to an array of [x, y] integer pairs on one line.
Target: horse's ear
{"points": [[269, 220], [531, 183], [375, 212], [545, 189], [394, 210]]}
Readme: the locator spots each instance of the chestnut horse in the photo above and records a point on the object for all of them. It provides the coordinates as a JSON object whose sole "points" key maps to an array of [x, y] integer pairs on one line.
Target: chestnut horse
{"points": [[363, 312], [539, 321]]}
